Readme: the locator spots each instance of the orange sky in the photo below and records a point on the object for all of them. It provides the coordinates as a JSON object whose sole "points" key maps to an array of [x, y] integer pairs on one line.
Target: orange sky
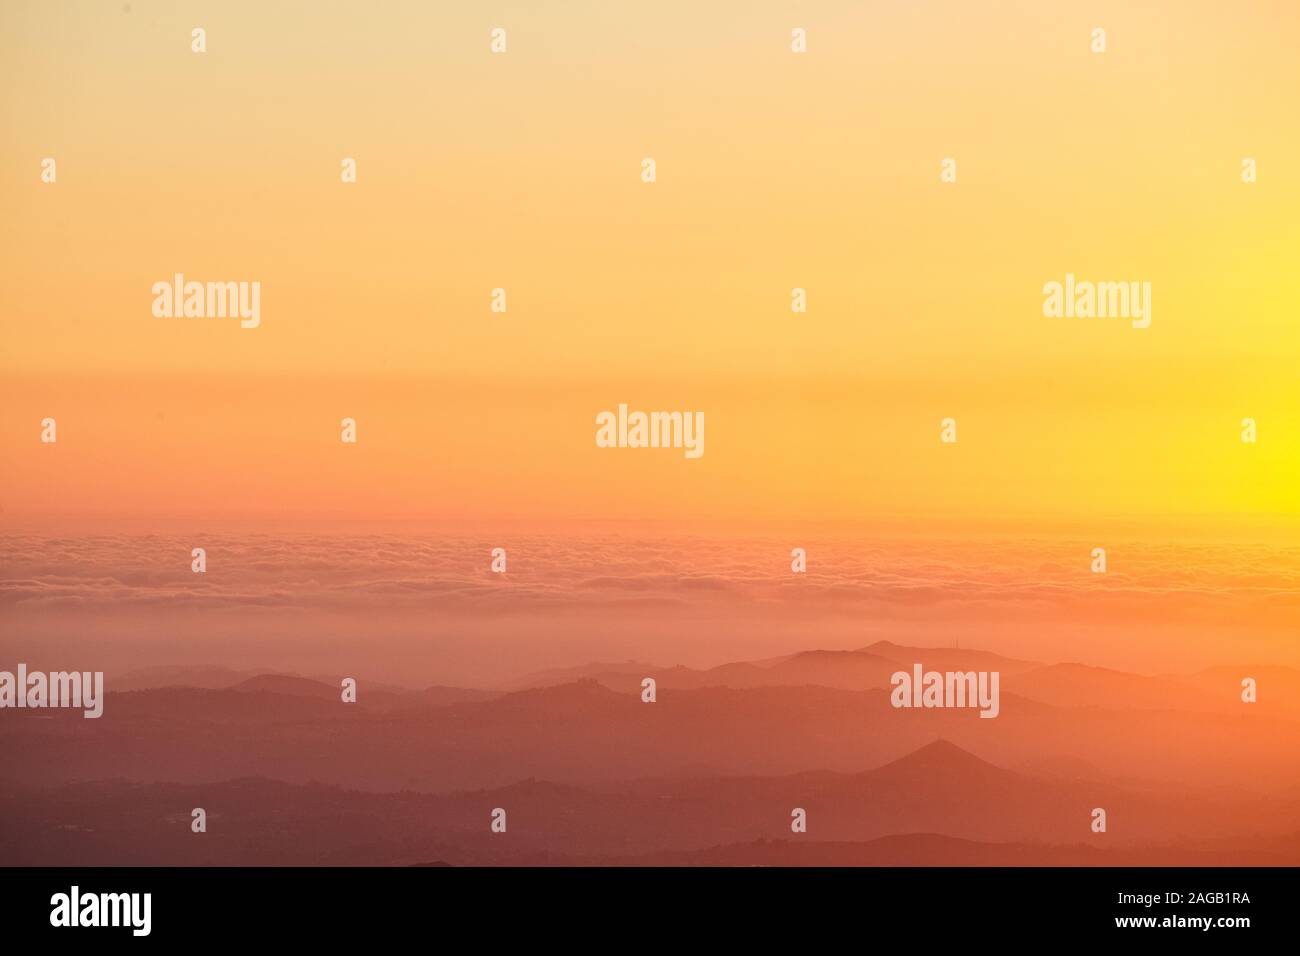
{"points": [[775, 170]]}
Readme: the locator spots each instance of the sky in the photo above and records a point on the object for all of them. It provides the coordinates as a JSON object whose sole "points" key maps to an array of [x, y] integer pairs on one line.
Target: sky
{"points": [[774, 171]]}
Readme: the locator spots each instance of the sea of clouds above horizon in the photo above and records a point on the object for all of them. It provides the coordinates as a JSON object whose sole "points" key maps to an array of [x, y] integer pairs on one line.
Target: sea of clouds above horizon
{"points": [[452, 571]]}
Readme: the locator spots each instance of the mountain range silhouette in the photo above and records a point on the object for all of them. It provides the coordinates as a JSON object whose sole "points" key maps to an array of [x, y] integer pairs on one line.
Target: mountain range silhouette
{"points": [[708, 773]]}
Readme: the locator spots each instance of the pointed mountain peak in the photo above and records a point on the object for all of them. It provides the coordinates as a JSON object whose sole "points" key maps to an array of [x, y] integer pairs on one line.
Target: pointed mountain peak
{"points": [[941, 756]]}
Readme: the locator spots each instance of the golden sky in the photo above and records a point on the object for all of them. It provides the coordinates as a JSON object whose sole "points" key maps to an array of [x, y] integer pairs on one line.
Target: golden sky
{"points": [[775, 170]]}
